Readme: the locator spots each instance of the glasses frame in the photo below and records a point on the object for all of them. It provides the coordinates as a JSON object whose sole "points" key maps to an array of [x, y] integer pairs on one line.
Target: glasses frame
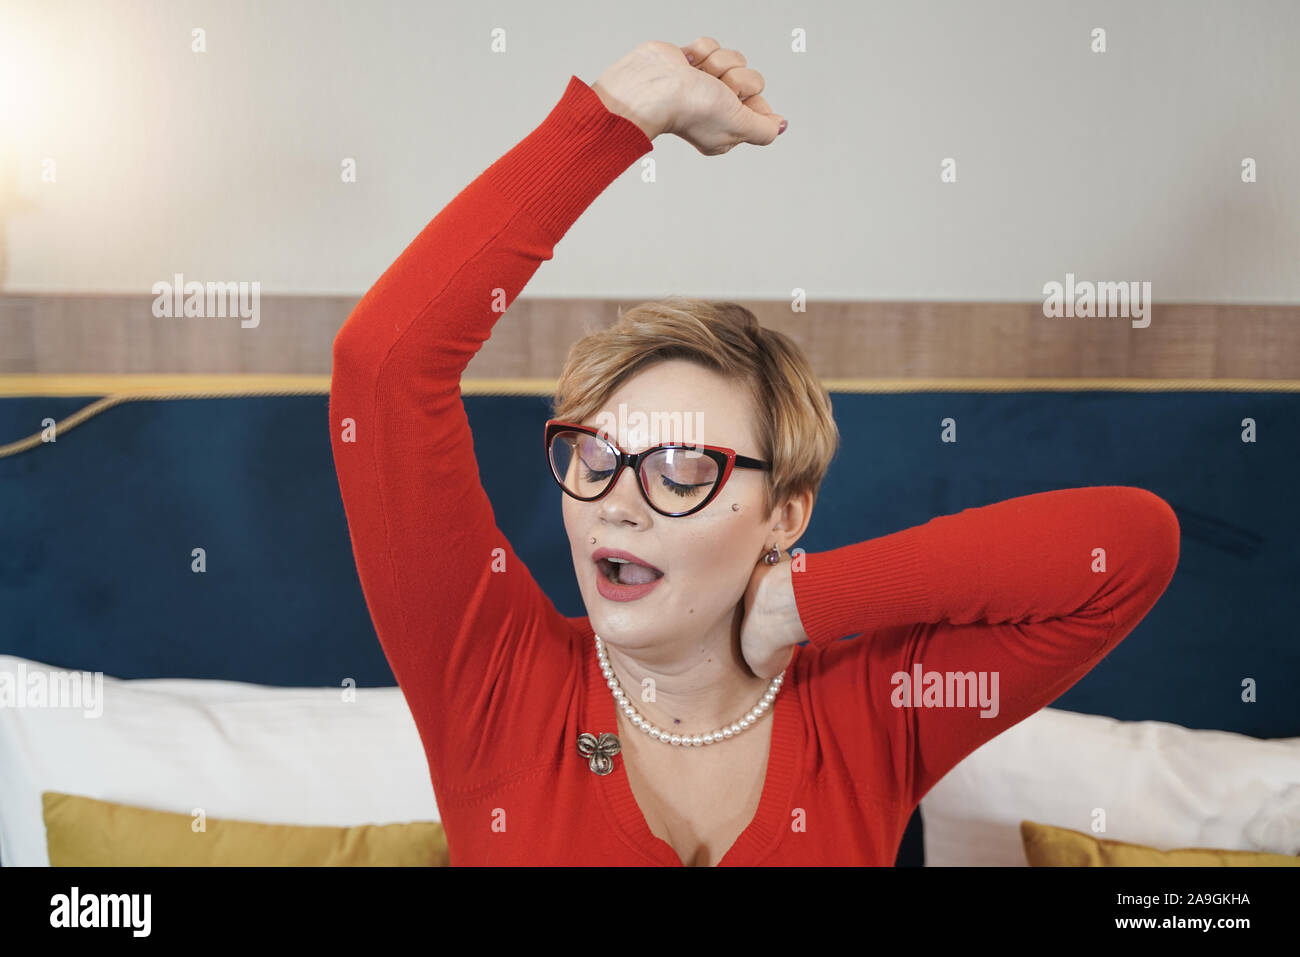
{"points": [[727, 460]]}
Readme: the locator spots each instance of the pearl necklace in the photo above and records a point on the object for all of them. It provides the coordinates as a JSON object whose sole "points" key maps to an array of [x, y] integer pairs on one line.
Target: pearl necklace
{"points": [[684, 740]]}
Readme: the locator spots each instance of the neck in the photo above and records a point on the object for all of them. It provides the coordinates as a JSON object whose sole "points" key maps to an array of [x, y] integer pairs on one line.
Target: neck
{"points": [[699, 683]]}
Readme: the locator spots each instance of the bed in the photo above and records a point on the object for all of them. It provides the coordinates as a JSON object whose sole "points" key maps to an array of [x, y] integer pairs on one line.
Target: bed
{"points": [[103, 529]]}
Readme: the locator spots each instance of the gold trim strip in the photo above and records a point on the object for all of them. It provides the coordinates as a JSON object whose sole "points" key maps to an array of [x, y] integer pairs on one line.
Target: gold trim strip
{"points": [[199, 384], [1062, 385], [106, 384]]}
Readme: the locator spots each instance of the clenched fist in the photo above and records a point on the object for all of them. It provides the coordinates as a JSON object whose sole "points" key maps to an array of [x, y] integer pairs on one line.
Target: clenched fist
{"points": [[703, 93]]}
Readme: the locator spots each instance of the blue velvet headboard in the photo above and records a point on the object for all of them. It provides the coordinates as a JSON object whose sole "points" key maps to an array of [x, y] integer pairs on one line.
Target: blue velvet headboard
{"points": [[98, 527]]}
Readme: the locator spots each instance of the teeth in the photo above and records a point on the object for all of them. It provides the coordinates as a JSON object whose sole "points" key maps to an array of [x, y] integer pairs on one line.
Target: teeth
{"points": [[621, 561]]}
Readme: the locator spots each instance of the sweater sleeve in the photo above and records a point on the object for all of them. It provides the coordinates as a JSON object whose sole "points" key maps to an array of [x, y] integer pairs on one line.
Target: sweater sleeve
{"points": [[1026, 595], [480, 652]]}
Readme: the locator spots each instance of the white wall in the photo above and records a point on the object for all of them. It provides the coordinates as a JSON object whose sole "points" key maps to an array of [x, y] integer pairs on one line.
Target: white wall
{"points": [[225, 165]]}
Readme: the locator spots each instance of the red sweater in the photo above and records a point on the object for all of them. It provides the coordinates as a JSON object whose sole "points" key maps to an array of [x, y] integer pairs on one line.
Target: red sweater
{"points": [[501, 684]]}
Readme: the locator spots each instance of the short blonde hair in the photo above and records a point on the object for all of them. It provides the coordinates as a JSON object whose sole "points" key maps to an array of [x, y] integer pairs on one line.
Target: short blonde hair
{"points": [[795, 429]]}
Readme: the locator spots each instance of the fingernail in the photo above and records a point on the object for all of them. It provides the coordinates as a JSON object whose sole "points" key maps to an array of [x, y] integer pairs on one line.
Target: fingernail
{"points": [[690, 58], [781, 128]]}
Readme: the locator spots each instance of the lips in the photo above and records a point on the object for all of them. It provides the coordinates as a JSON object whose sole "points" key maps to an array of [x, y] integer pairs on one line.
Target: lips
{"points": [[603, 554], [626, 580], [602, 559]]}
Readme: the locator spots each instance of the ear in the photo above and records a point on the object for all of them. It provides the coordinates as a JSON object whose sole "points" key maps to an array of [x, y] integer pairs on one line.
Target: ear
{"points": [[790, 519]]}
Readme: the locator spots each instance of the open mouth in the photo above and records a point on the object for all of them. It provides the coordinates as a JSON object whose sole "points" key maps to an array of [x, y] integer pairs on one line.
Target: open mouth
{"points": [[622, 572]]}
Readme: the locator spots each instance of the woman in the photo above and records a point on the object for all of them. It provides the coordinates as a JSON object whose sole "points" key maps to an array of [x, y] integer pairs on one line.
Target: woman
{"points": [[716, 719]]}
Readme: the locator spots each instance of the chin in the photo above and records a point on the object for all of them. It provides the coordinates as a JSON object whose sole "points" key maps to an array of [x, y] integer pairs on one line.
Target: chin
{"points": [[624, 630]]}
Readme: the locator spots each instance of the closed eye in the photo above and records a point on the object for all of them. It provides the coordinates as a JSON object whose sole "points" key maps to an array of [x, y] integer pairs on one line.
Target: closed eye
{"points": [[684, 491]]}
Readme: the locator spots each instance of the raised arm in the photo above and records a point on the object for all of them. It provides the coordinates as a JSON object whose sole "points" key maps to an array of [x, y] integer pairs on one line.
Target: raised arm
{"points": [[474, 643], [479, 651], [1031, 592]]}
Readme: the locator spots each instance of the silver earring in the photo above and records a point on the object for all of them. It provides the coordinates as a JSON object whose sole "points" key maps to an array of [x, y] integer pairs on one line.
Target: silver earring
{"points": [[593, 541], [773, 557]]}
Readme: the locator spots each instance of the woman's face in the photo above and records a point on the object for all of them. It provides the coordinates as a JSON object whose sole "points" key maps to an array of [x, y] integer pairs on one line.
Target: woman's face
{"points": [[706, 558]]}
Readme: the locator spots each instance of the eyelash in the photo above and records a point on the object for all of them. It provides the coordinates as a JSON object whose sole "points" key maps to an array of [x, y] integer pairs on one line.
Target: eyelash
{"points": [[675, 487]]}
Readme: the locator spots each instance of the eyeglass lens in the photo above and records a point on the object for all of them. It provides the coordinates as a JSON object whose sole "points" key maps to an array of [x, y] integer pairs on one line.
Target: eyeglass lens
{"points": [[674, 479]]}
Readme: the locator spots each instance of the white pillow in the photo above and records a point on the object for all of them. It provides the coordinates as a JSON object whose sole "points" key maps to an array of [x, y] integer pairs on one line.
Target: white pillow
{"points": [[236, 750], [1159, 784]]}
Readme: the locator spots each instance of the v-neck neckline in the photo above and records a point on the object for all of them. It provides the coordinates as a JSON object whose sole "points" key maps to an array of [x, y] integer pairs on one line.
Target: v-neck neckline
{"points": [[772, 816]]}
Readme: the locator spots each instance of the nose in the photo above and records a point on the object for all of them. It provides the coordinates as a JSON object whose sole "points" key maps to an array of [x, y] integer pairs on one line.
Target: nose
{"points": [[623, 503]]}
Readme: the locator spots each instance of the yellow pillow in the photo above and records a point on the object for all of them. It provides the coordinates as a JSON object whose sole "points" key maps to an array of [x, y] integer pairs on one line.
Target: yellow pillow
{"points": [[1047, 846], [84, 832]]}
